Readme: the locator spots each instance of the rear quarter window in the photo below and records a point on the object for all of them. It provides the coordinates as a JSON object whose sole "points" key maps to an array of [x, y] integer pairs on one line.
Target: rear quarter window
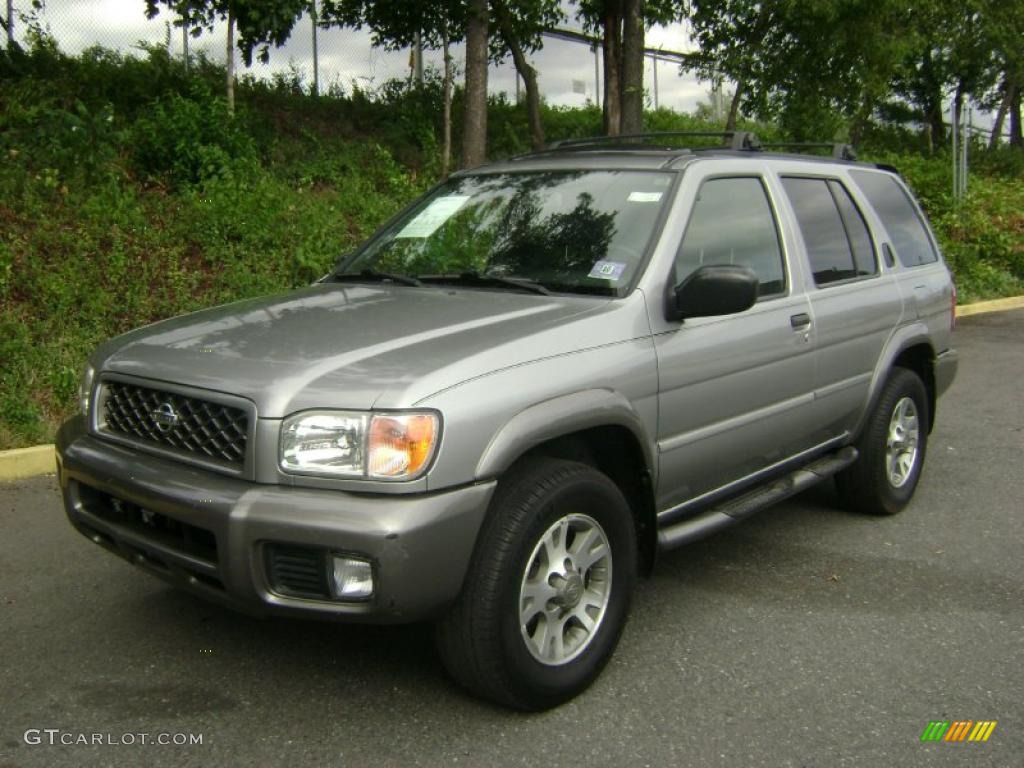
{"points": [[899, 216]]}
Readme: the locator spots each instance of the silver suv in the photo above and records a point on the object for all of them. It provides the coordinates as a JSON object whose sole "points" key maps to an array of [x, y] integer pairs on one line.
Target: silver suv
{"points": [[503, 406]]}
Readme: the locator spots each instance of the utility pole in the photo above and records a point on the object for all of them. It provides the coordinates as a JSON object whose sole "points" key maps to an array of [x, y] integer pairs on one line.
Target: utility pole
{"points": [[654, 69], [10, 23], [597, 76], [316, 56]]}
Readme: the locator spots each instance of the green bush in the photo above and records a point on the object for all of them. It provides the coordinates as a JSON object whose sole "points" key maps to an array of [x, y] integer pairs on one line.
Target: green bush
{"points": [[191, 139]]}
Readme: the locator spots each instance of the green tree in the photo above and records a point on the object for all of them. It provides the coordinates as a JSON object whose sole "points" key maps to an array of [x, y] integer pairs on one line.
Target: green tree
{"points": [[621, 24], [396, 24], [820, 68], [492, 31], [519, 24], [259, 23]]}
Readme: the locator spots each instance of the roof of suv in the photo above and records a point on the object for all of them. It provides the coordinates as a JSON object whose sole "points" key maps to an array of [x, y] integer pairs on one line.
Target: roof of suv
{"points": [[619, 153]]}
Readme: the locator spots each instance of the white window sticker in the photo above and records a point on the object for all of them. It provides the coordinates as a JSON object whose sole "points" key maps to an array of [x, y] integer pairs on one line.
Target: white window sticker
{"points": [[607, 270], [644, 197], [427, 221]]}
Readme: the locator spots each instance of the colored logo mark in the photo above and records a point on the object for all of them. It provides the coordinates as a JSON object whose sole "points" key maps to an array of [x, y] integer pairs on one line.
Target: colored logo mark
{"points": [[958, 730]]}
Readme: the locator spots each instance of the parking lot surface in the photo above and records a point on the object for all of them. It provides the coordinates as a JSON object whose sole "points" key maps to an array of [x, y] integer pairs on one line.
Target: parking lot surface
{"points": [[805, 637]]}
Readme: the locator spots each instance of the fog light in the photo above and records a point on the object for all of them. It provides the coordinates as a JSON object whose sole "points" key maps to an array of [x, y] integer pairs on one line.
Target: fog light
{"points": [[351, 579]]}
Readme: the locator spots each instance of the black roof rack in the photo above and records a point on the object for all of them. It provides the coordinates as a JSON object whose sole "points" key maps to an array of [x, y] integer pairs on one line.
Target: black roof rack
{"points": [[839, 151], [738, 140]]}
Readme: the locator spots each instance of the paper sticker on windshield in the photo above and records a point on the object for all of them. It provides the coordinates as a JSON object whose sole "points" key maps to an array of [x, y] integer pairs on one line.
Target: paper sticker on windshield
{"points": [[607, 270], [644, 197], [427, 221]]}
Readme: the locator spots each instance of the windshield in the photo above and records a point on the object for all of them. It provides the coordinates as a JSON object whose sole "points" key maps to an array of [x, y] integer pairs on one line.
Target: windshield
{"points": [[575, 231]]}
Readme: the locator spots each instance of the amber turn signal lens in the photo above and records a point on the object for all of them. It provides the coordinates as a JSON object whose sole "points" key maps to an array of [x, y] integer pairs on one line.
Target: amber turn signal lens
{"points": [[401, 444]]}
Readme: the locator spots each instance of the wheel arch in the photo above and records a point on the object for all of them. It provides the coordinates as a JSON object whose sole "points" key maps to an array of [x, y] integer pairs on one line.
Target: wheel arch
{"points": [[909, 348], [599, 428]]}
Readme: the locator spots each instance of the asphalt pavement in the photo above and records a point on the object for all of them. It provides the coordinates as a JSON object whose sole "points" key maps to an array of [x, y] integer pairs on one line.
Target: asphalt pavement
{"points": [[805, 637]]}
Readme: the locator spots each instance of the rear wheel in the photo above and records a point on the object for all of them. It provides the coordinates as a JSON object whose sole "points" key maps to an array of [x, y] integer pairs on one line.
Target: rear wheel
{"points": [[892, 449], [548, 591]]}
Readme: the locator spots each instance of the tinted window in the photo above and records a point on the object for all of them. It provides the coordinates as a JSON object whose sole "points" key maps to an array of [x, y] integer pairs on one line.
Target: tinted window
{"points": [[828, 248], [902, 221], [856, 230], [732, 223]]}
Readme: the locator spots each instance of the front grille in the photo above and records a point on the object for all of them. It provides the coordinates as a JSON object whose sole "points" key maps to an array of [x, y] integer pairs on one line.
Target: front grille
{"points": [[185, 424], [297, 571], [176, 535]]}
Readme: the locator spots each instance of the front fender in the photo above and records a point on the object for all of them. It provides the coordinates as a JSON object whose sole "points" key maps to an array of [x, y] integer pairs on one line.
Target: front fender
{"points": [[560, 416]]}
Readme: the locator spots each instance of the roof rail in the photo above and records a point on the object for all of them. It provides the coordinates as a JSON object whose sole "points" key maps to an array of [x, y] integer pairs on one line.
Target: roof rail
{"points": [[839, 151], [737, 139]]}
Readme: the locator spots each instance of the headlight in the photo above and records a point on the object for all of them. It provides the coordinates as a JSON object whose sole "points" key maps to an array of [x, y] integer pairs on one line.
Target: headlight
{"points": [[379, 446], [85, 389]]}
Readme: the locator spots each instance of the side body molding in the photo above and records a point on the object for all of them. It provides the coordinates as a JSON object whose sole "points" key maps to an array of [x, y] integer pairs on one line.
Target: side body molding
{"points": [[560, 416]]}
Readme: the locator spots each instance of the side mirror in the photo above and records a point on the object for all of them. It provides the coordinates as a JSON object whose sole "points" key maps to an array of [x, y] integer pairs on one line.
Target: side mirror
{"points": [[719, 289]]}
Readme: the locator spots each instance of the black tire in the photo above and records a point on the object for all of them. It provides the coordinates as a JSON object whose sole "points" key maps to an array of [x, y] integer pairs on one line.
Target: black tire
{"points": [[482, 641], [868, 486]]}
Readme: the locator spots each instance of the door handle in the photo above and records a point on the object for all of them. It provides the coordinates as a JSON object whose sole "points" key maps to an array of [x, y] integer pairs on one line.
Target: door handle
{"points": [[799, 322]]}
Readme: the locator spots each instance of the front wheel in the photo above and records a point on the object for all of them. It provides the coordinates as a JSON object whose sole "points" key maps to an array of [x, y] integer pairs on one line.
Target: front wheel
{"points": [[892, 448], [548, 591]]}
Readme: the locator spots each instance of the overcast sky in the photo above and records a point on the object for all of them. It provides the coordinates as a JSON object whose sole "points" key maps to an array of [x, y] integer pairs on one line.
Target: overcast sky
{"points": [[346, 55]]}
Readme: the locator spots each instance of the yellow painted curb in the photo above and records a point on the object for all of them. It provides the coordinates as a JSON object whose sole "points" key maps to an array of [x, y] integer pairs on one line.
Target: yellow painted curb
{"points": [[27, 462], [996, 305]]}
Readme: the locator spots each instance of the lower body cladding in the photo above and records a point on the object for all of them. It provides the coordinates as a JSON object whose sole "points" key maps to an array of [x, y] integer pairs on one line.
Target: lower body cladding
{"points": [[267, 549]]}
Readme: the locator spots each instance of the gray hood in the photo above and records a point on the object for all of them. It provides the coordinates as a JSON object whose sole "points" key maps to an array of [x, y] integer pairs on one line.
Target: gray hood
{"points": [[360, 346]]}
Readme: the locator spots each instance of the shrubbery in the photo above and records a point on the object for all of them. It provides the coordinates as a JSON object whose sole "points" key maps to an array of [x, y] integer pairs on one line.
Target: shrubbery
{"points": [[128, 194]]}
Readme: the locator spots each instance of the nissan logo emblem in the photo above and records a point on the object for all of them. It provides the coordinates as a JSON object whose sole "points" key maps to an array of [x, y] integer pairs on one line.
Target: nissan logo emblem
{"points": [[166, 417]]}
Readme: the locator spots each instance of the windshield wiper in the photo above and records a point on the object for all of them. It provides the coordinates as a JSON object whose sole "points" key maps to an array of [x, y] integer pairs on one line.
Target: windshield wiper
{"points": [[475, 278], [372, 274]]}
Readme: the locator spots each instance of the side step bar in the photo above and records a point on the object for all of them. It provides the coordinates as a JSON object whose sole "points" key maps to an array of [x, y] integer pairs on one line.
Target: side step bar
{"points": [[730, 512]]}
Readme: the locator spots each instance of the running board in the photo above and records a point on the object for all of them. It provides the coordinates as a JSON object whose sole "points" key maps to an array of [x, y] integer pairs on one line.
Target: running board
{"points": [[730, 512]]}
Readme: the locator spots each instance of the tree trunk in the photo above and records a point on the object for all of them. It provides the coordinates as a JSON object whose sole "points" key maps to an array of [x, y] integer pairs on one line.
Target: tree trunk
{"points": [[734, 108], [9, 24], [932, 98], [860, 121], [230, 62], [1000, 116], [474, 113], [528, 73], [633, 67], [446, 113], [611, 45], [1016, 138]]}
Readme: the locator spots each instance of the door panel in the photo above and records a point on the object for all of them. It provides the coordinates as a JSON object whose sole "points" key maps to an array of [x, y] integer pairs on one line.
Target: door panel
{"points": [[735, 396], [853, 322]]}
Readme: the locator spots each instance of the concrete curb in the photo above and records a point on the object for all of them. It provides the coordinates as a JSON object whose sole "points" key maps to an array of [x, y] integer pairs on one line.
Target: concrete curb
{"points": [[40, 460], [996, 305], [27, 462]]}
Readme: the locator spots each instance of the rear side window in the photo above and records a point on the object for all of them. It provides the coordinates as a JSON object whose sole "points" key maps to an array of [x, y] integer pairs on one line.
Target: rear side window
{"points": [[904, 224], [856, 229], [837, 241], [732, 223]]}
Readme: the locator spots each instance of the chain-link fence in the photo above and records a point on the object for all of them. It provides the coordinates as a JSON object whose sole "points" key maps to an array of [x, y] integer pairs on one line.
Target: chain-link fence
{"points": [[336, 59]]}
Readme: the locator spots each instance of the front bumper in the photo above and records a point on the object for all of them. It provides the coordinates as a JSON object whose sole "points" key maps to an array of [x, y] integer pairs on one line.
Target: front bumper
{"points": [[211, 534]]}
